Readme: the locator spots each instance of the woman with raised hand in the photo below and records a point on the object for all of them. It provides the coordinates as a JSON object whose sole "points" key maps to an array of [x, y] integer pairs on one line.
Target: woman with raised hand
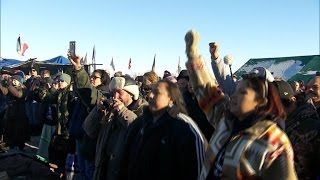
{"points": [[247, 143], [163, 143]]}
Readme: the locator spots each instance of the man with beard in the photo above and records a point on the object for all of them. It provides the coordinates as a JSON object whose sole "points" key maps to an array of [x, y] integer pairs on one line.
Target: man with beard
{"points": [[304, 133]]}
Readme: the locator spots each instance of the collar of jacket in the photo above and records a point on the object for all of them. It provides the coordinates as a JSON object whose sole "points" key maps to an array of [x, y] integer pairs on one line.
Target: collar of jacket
{"points": [[169, 113]]}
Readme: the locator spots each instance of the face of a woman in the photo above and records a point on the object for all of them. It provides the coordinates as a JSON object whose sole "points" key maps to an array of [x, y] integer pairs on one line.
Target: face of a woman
{"points": [[243, 101], [159, 97], [95, 79]]}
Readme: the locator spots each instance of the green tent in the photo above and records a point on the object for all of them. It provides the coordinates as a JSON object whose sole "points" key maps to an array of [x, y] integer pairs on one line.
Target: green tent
{"points": [[288, 68]]}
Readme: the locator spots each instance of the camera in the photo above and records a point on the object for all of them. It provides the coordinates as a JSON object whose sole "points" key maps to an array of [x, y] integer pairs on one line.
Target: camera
{"points": [[6, 81], [108, 102]]}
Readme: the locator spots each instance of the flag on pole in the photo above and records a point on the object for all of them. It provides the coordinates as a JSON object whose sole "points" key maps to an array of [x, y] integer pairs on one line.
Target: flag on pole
{"points": [[94, 57], [21, 47], [112, 64], [179, 67], [85, 59], [154, 63], [129, 65]]}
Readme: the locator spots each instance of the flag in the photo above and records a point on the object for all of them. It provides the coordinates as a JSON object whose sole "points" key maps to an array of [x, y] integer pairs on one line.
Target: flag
{"points": [[94, 57], [24, 48], [129, 65], [112, 64], [154, 63], [179, 67], [85, 59], [21, 47]]}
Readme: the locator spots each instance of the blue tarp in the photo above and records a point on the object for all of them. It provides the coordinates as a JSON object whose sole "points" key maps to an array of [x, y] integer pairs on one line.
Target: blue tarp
{"points": [[8, 62], [57, 60]]}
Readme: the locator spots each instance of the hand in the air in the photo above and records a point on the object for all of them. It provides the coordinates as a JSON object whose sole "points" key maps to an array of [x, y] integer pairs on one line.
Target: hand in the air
{"points": [[75, 61]]}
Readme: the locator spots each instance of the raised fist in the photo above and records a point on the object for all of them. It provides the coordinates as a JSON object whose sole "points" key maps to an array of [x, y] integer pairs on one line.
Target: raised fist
{"points": [[214, 50], [192, 39]]}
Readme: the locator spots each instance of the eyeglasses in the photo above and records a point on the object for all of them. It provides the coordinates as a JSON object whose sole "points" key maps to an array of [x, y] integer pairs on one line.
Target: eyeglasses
{"points": [[95, 77], [60, 81]]}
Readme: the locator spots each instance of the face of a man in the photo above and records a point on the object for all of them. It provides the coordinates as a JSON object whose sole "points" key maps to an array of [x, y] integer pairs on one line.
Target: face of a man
{"points": [[313, 91], [33, 72]]}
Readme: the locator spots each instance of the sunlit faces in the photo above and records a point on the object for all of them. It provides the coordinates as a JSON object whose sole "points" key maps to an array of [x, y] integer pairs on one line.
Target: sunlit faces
{"points": [[313, 91], [159, 98], [123, 96], [95, 79], [243, 101]]}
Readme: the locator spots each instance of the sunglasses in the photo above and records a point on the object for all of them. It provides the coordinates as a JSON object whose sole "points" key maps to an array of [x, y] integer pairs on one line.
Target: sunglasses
{"points": [[60, 81], [33, 70]]}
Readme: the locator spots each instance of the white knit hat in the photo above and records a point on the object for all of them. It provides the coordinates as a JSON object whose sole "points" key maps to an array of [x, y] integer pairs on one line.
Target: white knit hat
{"points": [[126, 83]]}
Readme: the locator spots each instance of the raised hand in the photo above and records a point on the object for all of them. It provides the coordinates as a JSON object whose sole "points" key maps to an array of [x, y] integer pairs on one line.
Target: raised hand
{"points": [[192, 39], [75, 61], [214, 50]]}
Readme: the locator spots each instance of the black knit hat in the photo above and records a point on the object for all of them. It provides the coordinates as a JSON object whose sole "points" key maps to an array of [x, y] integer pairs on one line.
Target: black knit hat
{"points": [[35, 67], [284, 89], [183, 74], [18, 78]]}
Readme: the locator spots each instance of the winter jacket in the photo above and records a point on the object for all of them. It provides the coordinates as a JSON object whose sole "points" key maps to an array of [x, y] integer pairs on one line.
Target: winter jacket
{"points": [[63, 101], [87, 92], [110, 129], [195, 112], [15, 118], [223, 76], [170, 148], [303, 129], [261, 151]]}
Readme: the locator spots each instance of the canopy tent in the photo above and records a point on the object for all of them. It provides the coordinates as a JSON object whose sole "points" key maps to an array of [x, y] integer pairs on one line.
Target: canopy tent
{"points": [[287, 68], [54, 65]]}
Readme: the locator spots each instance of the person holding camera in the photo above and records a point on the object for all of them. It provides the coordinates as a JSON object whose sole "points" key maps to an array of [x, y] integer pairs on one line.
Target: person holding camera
{"points": [[109, 119], [15, 115]]}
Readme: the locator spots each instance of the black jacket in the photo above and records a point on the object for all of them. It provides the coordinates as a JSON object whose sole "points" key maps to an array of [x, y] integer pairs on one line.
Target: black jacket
{"points": [[167, 149]]}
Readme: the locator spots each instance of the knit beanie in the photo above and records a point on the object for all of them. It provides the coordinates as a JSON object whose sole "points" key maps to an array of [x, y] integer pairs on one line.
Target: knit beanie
{"points": [[18, 78], [66, 78]]}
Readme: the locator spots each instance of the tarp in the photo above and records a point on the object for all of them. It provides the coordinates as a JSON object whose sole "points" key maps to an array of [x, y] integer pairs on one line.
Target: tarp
{"points": [[8, 62], [288, 68], [57, 60], [55, 65]]}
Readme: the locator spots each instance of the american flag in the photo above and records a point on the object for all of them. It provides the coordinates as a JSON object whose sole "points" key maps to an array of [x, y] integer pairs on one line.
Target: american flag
{"points": [[129, 65], [21, 47]]}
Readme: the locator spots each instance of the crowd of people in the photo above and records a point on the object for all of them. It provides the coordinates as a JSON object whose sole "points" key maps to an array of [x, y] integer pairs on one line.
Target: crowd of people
{"points": [[194, 126]]}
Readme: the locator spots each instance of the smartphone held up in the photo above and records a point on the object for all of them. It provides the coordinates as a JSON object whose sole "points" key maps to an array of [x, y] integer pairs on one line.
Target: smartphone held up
{"points": [[72, 48]]}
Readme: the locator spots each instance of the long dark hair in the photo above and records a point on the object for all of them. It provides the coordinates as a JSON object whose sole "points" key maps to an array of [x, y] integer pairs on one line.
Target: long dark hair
{"points": [[105, 78], [175, 95], [273, 109]]}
